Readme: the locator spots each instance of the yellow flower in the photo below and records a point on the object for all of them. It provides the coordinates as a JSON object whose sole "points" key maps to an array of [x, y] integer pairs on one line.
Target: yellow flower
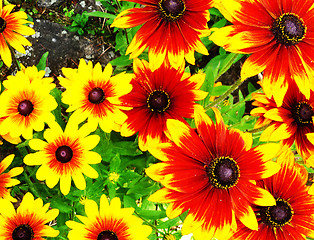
{"points": [[26, 103], [6, 178], [92, 93], [108, 222], [12, 32], [64, 156], [28, 221]]}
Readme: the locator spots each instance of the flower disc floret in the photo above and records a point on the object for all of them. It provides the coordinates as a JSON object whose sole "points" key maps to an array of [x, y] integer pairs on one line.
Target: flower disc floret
{"points": [[171, 10], [289, 29]]}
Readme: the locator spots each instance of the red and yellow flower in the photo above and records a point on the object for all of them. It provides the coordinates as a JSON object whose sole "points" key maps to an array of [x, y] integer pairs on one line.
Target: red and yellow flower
{"points": [[66, 155], [12, 32], [288, 123], [211, 172], [6, 179], [110, 221], [26, 103], [165, 93], [171, 29], [293, 215], [93, 94], [279, 37], [29, 221]]}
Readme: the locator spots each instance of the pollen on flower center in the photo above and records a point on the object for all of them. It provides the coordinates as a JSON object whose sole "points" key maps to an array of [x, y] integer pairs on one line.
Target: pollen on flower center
{"points": [[64, 154], [302, 113], [223, 172], [171, 10], [107, 235], [23, 232], [3, 24], [96, 96], [289, 29], [158, 101], [25, 108], [279, 215]]}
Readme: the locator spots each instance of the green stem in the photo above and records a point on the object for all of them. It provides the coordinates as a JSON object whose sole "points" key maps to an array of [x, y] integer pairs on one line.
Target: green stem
{"points": [[222, 97], [260, 129], [227, 66], [31, 185], [14, 57], [148, 223]]}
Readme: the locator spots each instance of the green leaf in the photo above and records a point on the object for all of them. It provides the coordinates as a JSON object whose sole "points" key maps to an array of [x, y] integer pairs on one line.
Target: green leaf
{"points": [[56, 93], [219, 90], [42, 64], [121, 61], [61, 205], [151, 214], [100, 14]]}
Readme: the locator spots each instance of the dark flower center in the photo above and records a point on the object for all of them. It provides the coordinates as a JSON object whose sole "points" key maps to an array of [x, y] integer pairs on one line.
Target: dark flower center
{"points": [[158, 101], [107, 235], [289, 29], [64, 154], [277, 216], [23, 232], [96, 96], [302, 113], [223, 172], [3, 24], [25, 108], [171, 10]]}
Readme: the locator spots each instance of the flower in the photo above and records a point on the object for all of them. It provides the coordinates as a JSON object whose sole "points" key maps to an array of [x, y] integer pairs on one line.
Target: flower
{"points": [[293, 215], [157, 96], [65, 155], [289, 122], [28, 221], [6, 179], [171, 29], [279, 37], [94, 94], [12, 32], [210, 171], [108, 222], [26, 103], [7, 136]]}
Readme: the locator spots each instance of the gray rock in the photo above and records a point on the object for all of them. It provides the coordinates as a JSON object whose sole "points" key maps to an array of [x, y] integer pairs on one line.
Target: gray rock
{"points": [[48, 3], [65, 48]]}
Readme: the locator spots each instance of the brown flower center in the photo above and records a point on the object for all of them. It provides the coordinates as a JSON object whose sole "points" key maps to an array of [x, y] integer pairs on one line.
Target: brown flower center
{"points": [[223, 172], [25, 108], [3, 24], [64, 154], [289, 29], [171, 10], [23, 232], [96, 96], [302, 113], [158, 101], [277, 216], [107, 235]]}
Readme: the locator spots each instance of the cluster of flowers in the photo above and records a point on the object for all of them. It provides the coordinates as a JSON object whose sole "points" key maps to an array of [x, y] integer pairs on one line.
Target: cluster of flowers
{"points": [[231, 189]]}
